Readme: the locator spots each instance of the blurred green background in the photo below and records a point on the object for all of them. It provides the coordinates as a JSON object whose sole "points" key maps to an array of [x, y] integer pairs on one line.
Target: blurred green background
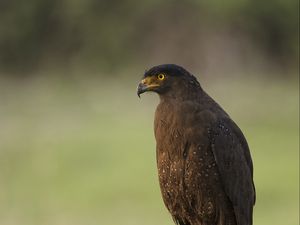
{"points": [[77, 145]]}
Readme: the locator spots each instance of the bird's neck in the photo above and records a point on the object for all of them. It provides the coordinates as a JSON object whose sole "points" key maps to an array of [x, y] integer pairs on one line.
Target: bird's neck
{"points": [[182, 94]]}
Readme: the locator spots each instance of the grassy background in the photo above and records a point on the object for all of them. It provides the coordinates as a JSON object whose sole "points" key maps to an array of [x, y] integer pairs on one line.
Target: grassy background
{"points": [[82, 152]]}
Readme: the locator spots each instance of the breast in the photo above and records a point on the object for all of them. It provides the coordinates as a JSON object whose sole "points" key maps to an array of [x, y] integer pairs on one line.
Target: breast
{"points": [[188, 179], [188, 175], [169, 145]]}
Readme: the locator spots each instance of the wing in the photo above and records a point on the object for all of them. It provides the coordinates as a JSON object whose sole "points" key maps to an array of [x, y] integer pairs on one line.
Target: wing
{"points": [[234, 162]]}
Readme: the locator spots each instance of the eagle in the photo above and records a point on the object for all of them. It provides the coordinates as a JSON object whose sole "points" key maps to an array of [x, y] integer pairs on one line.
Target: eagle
{"points": [[204, 164]]}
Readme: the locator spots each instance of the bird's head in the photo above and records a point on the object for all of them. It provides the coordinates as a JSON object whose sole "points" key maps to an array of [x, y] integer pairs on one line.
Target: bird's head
{"points": [[166, 79]]}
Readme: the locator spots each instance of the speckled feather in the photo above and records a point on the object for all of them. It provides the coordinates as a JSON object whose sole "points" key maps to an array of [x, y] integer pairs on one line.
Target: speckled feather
{"points": [[204, 163]]}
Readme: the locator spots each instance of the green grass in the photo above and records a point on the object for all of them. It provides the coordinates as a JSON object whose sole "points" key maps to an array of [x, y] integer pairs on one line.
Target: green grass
{"points": [[82, 152]]}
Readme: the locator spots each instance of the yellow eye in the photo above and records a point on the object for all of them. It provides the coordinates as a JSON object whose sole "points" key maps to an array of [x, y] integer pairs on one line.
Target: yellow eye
{"points": [[161, 76]]}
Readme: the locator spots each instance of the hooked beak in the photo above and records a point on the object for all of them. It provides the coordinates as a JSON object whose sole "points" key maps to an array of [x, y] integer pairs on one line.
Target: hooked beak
{"points": [[146, 85], [141, 89]]}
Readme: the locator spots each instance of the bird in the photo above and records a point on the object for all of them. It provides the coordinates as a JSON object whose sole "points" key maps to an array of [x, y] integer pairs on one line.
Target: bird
{"points": [[204, 164]]}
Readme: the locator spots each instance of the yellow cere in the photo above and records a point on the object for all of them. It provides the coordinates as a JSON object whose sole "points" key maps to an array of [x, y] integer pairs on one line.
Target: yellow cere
{"points": [[147, 80]]}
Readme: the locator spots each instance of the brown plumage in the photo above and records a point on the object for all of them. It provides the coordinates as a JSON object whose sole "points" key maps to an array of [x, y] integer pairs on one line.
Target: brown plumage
{"points": [[204, 163]]}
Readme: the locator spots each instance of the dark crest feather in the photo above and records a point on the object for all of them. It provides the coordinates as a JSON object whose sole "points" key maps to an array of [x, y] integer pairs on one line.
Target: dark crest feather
{"points": [[170, 69]]}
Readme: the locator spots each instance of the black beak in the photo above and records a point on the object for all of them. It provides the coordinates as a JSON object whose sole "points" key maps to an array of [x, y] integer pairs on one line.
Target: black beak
{"points": [[141, 89]]}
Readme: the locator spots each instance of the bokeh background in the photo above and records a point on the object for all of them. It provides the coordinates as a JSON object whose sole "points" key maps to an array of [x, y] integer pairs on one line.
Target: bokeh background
{"points": [[77, 145]]}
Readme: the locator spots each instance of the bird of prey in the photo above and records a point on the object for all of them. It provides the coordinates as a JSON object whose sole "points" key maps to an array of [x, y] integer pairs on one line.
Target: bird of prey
{"points": [[204, 163]]}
